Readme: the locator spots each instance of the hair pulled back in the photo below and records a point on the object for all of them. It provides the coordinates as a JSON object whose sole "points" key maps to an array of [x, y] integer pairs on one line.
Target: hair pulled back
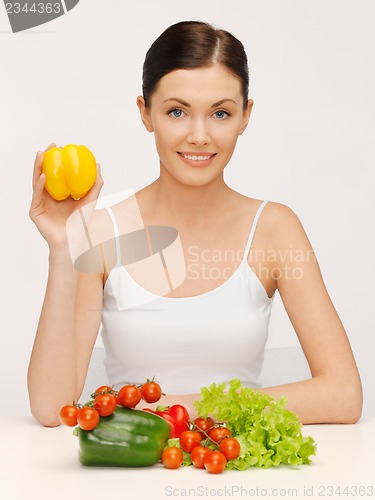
{"points": [[193, 44]]}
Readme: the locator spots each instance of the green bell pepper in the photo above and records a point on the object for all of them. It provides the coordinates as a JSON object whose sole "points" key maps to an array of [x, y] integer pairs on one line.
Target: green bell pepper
{"points": [[127, 438]]}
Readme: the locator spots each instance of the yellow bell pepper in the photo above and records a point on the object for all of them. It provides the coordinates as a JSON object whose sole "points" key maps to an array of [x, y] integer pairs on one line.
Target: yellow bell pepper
{"points": [[69, 171]]}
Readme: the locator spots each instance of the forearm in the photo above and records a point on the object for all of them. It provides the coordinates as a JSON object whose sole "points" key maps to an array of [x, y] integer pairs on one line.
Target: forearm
{"points": [[52, 364], [317, 400], [321, 399]]}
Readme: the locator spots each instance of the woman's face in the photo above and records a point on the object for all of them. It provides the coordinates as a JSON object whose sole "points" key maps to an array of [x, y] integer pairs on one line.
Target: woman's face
{"points": [[196, 116]]}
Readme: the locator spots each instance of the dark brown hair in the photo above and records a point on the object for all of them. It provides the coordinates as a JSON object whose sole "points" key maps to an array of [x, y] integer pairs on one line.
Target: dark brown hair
{"points": [[193, 44]]}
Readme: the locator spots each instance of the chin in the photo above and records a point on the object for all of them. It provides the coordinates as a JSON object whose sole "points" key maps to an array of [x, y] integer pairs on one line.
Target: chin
{"points": [[196, 181], [194, 177], [190, 176]]}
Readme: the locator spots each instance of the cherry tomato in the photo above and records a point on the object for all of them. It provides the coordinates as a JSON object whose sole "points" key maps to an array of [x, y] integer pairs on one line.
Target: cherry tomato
{"points": [[129, 396], [105, 404], [198, 454], [103, 389], [189, 440], [204, 424], [68, 415], [230, 448], [172, 457], [151, 392], [215, 462], [219, 433], [88, 418]]}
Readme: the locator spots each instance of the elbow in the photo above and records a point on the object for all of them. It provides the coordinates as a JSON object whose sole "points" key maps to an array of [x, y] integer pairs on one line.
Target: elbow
{"points": [[354, 413], [353, 419], [350, 409], [341, 398], [45, 418]]}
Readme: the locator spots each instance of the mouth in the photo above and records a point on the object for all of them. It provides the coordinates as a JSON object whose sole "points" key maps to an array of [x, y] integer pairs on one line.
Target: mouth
{"points": [[197, 159]]}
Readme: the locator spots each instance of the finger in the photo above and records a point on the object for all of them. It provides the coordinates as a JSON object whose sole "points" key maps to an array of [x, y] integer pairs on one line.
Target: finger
{"points": [[52, 145], [96, 188], [99, 179], [38, 192], [37, 167], [38, 163]]}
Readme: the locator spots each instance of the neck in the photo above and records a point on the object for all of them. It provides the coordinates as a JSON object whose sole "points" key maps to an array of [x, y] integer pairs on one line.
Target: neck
{"points": [[189, 204]]}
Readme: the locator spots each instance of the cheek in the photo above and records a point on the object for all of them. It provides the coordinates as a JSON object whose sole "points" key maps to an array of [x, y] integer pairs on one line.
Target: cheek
{"points": [[166, 132], [227, 138]]}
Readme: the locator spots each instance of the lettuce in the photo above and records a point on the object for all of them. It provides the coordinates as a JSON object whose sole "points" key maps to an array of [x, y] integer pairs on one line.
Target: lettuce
{"points": [[268, 433]]}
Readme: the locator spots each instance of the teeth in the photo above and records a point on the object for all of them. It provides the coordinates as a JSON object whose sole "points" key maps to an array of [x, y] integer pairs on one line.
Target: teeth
{"points": [[197, 158]]}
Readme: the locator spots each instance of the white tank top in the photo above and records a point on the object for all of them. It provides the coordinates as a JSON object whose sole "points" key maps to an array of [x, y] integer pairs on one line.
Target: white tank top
{"points": [[188, 342]]}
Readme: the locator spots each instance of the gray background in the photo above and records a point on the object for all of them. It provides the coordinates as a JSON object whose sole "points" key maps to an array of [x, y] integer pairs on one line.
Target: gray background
{"points": [[308, 144]]}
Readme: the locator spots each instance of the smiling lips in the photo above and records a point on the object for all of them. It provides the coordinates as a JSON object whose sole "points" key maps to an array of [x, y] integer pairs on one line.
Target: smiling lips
{"points": [[197, 159]]}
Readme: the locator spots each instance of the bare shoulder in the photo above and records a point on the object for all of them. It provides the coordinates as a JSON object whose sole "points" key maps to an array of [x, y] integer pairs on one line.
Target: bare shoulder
{"points": [[281, 226], [290, 257], [279, 215], [276, 218], [279, 243]]}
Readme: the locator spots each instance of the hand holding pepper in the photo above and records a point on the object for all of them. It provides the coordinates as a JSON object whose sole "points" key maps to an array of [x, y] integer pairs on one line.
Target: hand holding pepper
{"points": [[69, 171], [49, 215]]}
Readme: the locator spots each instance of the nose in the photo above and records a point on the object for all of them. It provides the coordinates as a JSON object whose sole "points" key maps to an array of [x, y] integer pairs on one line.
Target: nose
{"points": [[198, 133]]}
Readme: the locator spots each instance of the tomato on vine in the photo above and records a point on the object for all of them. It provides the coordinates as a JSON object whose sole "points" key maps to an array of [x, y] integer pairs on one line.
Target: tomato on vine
{"points": [[218, 433], [172, 457], [68, 415], [88, 418], [103, 389], [189, 440], [129, 396], [214, 462], [230, 448], [197, 456], [151, 391], [203, 424], [105, 404]]}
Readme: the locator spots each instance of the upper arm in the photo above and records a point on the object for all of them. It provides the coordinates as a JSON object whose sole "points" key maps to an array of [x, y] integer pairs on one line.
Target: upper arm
{"points": [[306, 300]]}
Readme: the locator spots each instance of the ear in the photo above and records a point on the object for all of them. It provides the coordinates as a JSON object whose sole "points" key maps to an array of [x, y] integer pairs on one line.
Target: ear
{"points": [[145, 113], [246, 116]]}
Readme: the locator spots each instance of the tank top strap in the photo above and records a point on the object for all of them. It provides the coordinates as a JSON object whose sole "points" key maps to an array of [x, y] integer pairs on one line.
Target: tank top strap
{"points": [[117, 235], [253, 227]]}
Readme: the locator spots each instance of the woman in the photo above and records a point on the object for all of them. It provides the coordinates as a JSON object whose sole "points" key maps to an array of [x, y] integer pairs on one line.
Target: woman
{"points": [[214, 325]]}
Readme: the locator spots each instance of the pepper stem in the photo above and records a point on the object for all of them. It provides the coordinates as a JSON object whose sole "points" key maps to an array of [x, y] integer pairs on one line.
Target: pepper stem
{"points": [[162, 408]]}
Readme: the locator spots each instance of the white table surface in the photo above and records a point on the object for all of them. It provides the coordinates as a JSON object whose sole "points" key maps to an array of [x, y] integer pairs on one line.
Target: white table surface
{"points": [[37, 462]]}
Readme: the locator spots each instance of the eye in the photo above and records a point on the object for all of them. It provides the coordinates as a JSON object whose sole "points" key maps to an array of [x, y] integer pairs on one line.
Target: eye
{"points": [[176, 112], [221, 114]]}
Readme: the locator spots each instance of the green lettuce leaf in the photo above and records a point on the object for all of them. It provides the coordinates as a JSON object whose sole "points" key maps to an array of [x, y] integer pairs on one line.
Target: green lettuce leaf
{"points": [[268, 433]]}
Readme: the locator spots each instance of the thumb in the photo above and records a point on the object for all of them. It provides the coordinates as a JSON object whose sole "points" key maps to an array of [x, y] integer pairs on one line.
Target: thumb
{"points": [[96, 188], [37, 197]]}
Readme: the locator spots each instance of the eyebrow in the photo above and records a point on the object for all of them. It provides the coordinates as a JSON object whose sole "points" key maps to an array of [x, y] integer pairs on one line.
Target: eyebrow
{"points": [[184, 103]]}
